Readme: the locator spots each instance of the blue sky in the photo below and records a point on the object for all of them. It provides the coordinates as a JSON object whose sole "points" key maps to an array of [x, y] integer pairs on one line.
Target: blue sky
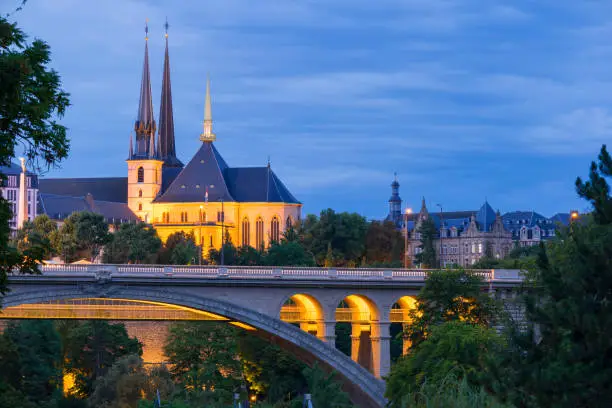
{"points": [[464, 99]]}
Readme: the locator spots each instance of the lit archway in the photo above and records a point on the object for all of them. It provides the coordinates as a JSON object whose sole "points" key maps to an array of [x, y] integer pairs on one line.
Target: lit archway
{"points": [[354, 315], [304, 311], [399, 316]]}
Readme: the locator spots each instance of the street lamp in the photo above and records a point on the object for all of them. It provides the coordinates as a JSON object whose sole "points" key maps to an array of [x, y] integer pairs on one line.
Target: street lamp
{"points": [[407, 212], [200, 236], [222, 232], [574, 215], [442, 264]]}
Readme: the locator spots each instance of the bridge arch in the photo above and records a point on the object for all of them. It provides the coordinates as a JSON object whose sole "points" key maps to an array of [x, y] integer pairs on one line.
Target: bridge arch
{"points": [[362, 386]]}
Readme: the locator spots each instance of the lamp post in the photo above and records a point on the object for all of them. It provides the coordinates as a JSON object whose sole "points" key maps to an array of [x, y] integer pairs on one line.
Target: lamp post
{"points": [[222, 233], [407, 212], [200, 237], [442, 264]]}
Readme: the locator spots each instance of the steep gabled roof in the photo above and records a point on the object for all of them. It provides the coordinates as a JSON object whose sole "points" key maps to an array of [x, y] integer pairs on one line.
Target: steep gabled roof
{"points": [[257, 184], [485, 217], [204, 172], [59, 207]]}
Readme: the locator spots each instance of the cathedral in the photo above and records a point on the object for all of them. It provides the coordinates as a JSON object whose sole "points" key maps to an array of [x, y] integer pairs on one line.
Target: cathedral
{"points": [[206, 197]]}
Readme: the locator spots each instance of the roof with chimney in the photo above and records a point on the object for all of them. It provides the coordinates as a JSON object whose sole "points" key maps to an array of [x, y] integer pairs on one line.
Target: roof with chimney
{"points": [[112, 189]]}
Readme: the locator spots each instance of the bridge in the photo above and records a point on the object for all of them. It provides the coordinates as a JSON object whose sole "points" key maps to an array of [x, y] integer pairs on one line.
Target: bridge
{"points": [[296, 308]]}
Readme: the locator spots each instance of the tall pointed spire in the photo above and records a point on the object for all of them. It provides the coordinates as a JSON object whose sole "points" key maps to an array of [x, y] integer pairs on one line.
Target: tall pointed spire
{"points": [[131, 148], [145, 122], [165, 137], [207, 135]]}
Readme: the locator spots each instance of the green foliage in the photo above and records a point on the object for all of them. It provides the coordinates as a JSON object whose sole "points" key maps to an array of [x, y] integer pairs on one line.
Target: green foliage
{"points": [[342, 233], [203, 357], [122, 386], [384, 244], [325, 390], [39, 232], [30, 353], [272, 373], [133, 243], [92, 347], [31, 99], [596, 190], [454, 347], [248, 256], [427, 257], [564, 357], [452, 392], [449, 295], [288, 254], [180, 249], [82, 234]]}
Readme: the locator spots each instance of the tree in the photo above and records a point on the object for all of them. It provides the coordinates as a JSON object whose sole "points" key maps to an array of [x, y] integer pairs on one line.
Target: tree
{"points": [[427, 256], [92, 347], [288, 254], [249, 256], [65, 240], [326, 392], [91, 232], [34, 362], [384, 243], [38, 232], [343, 232], [449, 295], [122, 386], [453, 348], [133, 243], [203, 356], [271, 372], [563, 358], [31, 99], [596, 190], [180, 249]]}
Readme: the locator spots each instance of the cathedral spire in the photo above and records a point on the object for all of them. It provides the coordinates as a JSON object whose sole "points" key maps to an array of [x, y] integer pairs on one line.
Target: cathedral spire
{"points": [[145, 123], [207, 135], [165, 137], [131, 148]]}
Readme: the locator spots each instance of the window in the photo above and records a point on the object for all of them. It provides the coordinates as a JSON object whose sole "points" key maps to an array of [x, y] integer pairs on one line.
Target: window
{"points": [[473, 247], [480, 247], [202, 216], [259, 233], [220, 216], [12, 181], [29, 181], [139, 206], [275, 229], [155, 176], [141, 174], [165, 217], [467, 248], [246, 229], [139, 193], [211, 240], [184, 216], [288, 223]]}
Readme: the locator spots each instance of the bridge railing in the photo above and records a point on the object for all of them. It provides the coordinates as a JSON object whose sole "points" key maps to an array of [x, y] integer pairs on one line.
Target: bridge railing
{"points": [[260, 272]]}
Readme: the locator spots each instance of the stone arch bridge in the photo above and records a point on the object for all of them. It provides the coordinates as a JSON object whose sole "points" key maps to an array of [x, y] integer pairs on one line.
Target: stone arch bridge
{"points": [[297, 308]]}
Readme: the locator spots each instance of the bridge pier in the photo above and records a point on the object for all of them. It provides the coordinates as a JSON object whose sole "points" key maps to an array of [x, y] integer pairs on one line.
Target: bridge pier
{"points": [[381, 348], [326, 331]]}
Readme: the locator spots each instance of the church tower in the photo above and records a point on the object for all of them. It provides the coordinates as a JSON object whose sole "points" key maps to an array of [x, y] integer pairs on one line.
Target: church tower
{"points": [[144, 164], [395, 203], [165, 137]]}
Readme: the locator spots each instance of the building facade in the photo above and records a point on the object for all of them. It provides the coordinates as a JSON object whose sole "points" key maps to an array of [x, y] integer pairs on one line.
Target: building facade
{"points": [[20, 189], [206, 197], [529, 228]]}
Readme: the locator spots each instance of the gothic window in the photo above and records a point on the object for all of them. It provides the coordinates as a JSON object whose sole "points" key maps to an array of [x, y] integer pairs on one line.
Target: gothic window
{"points": [[139, 206], [220, 216], [246, 230], [259, 233], [288, 223], [211, 240], [184, 216], [275, 230], [155, 176], [202, 216], [141, 174], [139, 193]]}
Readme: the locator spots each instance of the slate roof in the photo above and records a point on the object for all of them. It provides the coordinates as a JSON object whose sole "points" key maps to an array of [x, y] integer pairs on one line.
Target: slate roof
{"points": [[242, 184], [112, 189], [257, 184], [517, 219], [563, 218], [14, 169], [485, 217], [203, 172], [59, 207]]}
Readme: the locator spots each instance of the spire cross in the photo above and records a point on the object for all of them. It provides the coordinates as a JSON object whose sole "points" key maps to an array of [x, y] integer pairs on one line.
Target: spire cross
{"points": [[146, 29], [166, 26]]}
